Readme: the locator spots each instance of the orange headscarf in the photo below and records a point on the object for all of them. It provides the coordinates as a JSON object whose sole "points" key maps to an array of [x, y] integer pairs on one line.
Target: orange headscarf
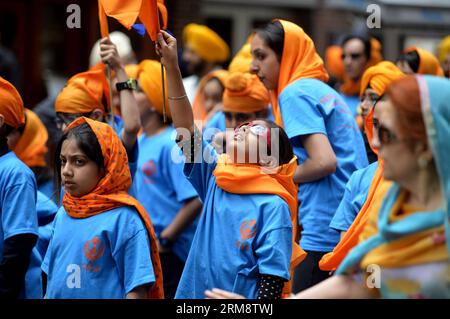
{"points": [[244, 93], [333, 62], [379, 77], [251, 179], [198, 107], [85, 92], [111, 192], [429, 64], [31, 147], [350, 87], [149, 75], [299, 61], [11, 104]]}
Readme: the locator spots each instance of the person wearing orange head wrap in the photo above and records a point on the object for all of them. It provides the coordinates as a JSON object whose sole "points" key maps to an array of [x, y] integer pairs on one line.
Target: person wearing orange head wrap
{"points": [[321, 128], [101, 229], [163, 190], [242, 61], [204, 50], [417, 60], [366, 188], [358, 54], [19, 226]]}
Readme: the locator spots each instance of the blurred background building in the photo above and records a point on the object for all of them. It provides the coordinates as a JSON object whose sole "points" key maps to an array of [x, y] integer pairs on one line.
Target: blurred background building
{"points": [[38, 51]]}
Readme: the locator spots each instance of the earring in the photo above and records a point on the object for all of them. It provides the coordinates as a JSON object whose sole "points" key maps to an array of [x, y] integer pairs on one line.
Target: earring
{"points": [[422, 161]]}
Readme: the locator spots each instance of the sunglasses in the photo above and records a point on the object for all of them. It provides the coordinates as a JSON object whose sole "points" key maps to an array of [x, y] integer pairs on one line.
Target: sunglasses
{"points": [[258, 130], [353, 56], [385, 135]]}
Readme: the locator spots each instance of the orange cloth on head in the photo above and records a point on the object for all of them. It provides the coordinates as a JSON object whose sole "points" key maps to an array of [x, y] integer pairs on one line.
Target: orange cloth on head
{"points": [[251, 179], [244, 93], [333, 62], [379, 76], [11, 104], [299, 61], [428, 64], [242, 61], [31, 147], [198, 107], [206, 43], [84, 92], [150, 81], [111, 192], [350, 87]]}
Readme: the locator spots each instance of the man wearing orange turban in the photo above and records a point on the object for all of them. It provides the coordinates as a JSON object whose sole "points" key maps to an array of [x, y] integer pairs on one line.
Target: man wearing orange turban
{"points": [[19, 226], [204, 50], [166, 194]]}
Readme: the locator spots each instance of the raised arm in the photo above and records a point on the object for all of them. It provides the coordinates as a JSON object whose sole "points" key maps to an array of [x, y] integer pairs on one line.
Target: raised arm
{"points": [[180, 108]]}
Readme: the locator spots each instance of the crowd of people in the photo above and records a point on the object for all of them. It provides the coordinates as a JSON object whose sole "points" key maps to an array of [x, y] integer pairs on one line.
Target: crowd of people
{"points": [[282, 176]]}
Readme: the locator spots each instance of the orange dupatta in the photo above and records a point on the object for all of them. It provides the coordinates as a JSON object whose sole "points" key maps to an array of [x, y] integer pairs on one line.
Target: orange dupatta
{"points": [[299, 61], [251, 179], [31, 147], [111, 192]]}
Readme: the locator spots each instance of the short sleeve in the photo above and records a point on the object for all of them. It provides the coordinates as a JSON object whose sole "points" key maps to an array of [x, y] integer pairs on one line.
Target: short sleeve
{"points": [[199, 173], [302, 114], [134, 263], [19, 208]]}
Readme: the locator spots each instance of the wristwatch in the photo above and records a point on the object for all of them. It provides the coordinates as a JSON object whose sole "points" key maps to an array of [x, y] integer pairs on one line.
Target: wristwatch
{"points": [[165, 242], [131, 84]]}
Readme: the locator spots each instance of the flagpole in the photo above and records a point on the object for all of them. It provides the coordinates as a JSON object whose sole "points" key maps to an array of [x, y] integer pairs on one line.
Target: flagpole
{"points": [[162, 76], [108, 75]]}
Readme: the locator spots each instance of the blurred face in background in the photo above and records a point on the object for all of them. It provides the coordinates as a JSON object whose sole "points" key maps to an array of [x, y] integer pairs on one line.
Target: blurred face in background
{"points": [[354, 58]]}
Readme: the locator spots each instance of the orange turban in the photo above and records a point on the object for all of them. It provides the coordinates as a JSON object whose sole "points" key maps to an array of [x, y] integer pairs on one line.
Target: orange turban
{"points": [[242, 60], [206, 43], [299, 61], [351, 87], [379, 76], [429, 64], [198, 107], [84, 92], [31, 147], [111, 192], [244, 93], [333, 61], [11, 104], [149, 75]]}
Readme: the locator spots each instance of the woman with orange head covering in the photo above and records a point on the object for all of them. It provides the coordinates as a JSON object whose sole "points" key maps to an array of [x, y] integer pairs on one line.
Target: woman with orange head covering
{"points": [[417, 60], [100, 233], [321, 128], [366, 188], [19, 226], [161, 186]]}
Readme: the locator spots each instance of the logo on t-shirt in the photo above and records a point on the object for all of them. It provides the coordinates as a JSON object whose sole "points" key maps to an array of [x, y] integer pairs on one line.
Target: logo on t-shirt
{"points": [[247, 231], [93, 250]]}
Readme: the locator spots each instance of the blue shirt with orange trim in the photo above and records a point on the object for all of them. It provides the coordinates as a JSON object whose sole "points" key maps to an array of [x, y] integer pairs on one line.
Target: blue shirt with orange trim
{"points": [[103, 256], [238, 237]]}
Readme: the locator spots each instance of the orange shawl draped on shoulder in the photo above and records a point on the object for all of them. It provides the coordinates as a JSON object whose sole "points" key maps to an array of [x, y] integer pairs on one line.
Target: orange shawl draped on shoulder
{"points": [[111, 192], [251, 179]]}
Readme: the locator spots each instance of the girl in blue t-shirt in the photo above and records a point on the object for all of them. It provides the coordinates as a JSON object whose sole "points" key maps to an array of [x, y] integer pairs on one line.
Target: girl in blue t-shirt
{"points": [[103, 244], [244, 238]]}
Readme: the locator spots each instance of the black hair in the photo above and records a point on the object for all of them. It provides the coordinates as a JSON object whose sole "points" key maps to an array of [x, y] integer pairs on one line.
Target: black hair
{"points": [[283, 145], [5, 130], [273, 35], [412, 58], [86, 141], [364, 39]]}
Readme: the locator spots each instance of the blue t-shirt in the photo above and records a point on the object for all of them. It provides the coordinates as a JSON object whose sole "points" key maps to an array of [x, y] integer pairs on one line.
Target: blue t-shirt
{"points": [[46, 210], [217, 121], [238, 237], [103, 256], [18, 213], [162, 187], [48, 189], [309, 106], [352, 102], [355, 196]]}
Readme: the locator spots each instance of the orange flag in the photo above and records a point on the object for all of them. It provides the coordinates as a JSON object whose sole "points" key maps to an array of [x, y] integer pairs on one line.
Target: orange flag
{"points": [[127, 12]]}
